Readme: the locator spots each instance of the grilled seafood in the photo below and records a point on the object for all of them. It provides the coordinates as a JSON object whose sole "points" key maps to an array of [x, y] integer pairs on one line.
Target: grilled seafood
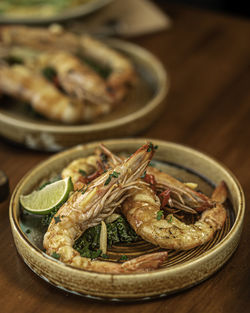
{"points": [[141, 210], [76, 77], [21, 83], [89, 207], [81, 167], [122, 71], [143, 205]]}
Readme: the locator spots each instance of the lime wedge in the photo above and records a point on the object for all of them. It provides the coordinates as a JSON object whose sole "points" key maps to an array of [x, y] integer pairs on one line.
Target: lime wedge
{"points": [[45, 200]]}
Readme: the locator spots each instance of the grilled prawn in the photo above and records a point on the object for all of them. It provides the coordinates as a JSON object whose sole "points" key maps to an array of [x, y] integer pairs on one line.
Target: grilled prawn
{"points": [[141, 209], [19, 82], [122, 71], [88, 207]]}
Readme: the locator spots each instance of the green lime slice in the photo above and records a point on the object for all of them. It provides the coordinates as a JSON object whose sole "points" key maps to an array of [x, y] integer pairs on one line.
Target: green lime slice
{"points": [[45, 200]]}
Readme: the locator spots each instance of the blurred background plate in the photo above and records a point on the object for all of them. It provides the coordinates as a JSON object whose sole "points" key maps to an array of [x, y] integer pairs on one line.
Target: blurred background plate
{"points": [[141, 107], [69, 12], [181, 270]]}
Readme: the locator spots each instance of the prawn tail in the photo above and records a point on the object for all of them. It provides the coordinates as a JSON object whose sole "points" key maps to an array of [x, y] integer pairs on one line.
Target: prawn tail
{"points": [[220, 192], [145, 262]]}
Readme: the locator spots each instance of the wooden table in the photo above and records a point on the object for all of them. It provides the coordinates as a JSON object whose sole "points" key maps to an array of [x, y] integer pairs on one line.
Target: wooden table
{"points": [[208, 108]]}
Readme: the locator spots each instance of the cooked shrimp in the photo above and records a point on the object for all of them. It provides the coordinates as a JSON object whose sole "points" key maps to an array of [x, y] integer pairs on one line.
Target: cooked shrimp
{"points": [[74, 76], [20, 82], [81, 167], [89, 207], [122, 70], [142, 207], [141, 210], [17, 81]]}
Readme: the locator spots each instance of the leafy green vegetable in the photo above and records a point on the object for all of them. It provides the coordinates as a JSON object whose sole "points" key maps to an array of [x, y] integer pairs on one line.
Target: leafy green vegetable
{"points": [[117, 232]]}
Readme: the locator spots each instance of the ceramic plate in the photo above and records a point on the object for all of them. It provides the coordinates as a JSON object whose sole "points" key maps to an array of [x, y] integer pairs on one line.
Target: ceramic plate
{"points": [[141, 107], [69, 13], [183, 269]]}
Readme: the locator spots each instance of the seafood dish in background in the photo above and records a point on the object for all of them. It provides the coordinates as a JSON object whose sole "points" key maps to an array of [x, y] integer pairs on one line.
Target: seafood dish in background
{"points": [[64, 77], [107, 189]]}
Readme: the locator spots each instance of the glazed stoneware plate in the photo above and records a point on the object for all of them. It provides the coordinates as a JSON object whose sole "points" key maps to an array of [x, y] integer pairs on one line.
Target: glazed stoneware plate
{"points": [[83, 8], [182, 269], [141, 107]]}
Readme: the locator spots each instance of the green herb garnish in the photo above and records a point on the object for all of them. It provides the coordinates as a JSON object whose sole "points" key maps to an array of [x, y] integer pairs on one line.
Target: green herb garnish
{"points": [[150, 147], [123, 258], [108, 180], [114, 174], [82, 172], [55, 255], [170, 219], [28, 231], [159, 215], [84, 190], [49, 73], [57, 219], [144, 174]]}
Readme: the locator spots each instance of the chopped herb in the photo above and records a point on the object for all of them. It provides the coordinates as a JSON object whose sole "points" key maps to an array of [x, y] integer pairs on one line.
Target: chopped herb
{"points": [[28, 231], [144, 174], [108, 180], [49, 73], [159, 215], [170, 219], [55, 255], [57, 219], [123, 258], [114, 174], [82, 172], [151, 147], [105, 256], [83, 190]]}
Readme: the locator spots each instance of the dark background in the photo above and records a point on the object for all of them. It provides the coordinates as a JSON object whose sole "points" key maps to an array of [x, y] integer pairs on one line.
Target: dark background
{"points": [[236, 8]]}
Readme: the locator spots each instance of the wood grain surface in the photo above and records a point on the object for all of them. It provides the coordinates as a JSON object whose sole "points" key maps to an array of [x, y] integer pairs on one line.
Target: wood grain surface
{"points": [[208, 108]]}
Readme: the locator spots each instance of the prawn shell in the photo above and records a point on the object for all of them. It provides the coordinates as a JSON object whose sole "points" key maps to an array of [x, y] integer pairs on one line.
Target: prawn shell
{"points": [[166, 280]]}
